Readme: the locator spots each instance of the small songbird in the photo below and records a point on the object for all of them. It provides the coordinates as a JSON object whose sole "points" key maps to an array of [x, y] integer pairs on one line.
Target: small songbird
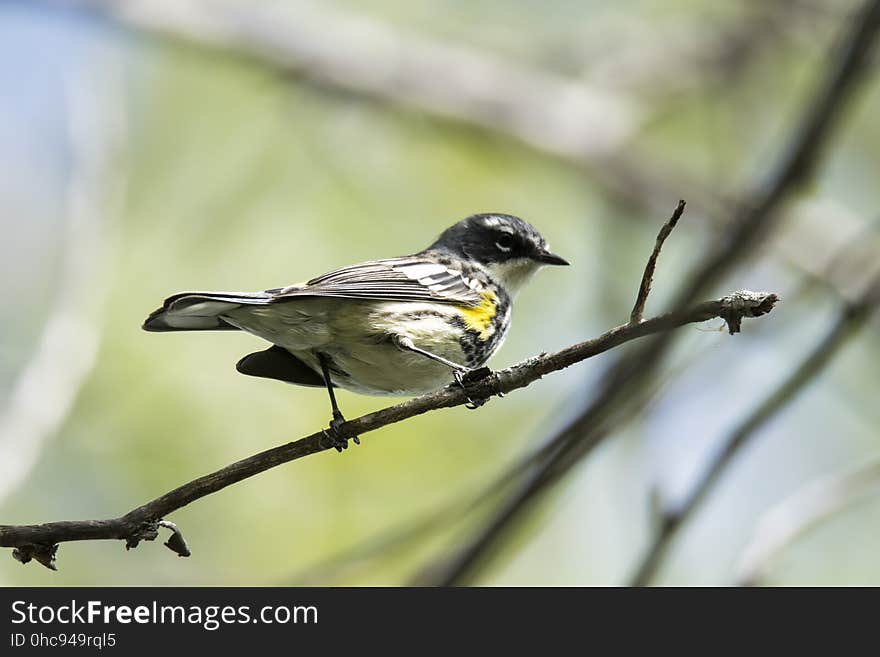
{"points": [[383, 327]]}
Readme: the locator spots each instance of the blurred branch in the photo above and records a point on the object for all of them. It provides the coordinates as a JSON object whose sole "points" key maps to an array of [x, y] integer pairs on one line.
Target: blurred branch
{"points": [[589, 125], [361, 55], [395, 538], [585, 124], [41, 541], [646, 56], [800, 512], [65, 354], [623, 386], [852, 257], [850, 320], [798, 162]]}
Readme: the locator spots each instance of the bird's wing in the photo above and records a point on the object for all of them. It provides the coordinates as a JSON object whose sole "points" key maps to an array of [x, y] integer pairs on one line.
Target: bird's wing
{"points": [[399, 279], [278, 363]]}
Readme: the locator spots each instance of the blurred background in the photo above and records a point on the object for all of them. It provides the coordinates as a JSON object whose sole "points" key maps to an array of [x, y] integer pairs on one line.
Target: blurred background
{"points": [[150, 147]]}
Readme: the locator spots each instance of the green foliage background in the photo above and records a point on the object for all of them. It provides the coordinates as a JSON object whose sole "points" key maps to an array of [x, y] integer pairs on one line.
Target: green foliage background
{"points": [[240, 178]]}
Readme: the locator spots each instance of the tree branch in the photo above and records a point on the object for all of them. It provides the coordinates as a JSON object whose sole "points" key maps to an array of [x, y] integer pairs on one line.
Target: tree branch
{"points": [[382, 544], [795, 167], [40, 541], [851, 319], [624, 385]]}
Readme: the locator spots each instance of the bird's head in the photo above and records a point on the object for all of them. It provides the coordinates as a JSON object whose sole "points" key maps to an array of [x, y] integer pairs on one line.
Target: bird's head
{"points": [[510, 248]]}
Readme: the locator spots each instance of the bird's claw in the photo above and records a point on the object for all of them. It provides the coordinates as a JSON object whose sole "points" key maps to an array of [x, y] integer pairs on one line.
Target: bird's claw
{"points": [[466, 378], [332, 433]]}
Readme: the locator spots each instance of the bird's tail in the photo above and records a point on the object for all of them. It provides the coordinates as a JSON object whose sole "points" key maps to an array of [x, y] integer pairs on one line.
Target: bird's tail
{"points": [[201, 311]]}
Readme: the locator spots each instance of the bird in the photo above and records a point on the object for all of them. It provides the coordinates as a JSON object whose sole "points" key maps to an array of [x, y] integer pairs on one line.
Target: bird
{"points": [[395, 327]]}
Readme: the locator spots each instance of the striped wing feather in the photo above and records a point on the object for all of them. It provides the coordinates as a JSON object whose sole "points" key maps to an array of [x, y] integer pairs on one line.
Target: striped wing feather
{"points": [[398, 279]]}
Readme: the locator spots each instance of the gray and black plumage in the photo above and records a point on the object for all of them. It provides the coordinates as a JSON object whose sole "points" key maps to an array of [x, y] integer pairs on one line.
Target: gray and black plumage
{"points": [[383, 327]]}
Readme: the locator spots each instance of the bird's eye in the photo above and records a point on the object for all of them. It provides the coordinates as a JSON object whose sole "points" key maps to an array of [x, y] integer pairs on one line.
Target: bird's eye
{"points": [[504, 243]]}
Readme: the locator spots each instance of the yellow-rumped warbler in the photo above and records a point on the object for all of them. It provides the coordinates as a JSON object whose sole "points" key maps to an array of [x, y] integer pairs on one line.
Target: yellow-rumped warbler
{"points": [[383, 327]]}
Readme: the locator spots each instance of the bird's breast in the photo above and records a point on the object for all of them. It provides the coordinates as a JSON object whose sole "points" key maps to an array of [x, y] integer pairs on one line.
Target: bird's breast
{"points": [[358, 338]]}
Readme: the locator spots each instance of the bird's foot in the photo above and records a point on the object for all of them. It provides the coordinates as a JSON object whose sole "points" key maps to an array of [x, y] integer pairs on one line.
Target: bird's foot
{"points": [[333, 435], [467, 380]]}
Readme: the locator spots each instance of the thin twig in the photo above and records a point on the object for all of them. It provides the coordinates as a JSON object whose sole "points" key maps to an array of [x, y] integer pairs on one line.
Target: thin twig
{"points": [[638, 310], [800, 512], [142, 522], [850, 320]]}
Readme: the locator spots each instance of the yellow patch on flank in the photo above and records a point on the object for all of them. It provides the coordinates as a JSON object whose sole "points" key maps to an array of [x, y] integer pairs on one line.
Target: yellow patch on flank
{"points": [[479, 318]]}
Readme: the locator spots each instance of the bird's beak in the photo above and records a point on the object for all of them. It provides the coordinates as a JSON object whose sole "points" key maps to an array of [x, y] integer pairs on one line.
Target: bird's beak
{"points": [[550, 258]]}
